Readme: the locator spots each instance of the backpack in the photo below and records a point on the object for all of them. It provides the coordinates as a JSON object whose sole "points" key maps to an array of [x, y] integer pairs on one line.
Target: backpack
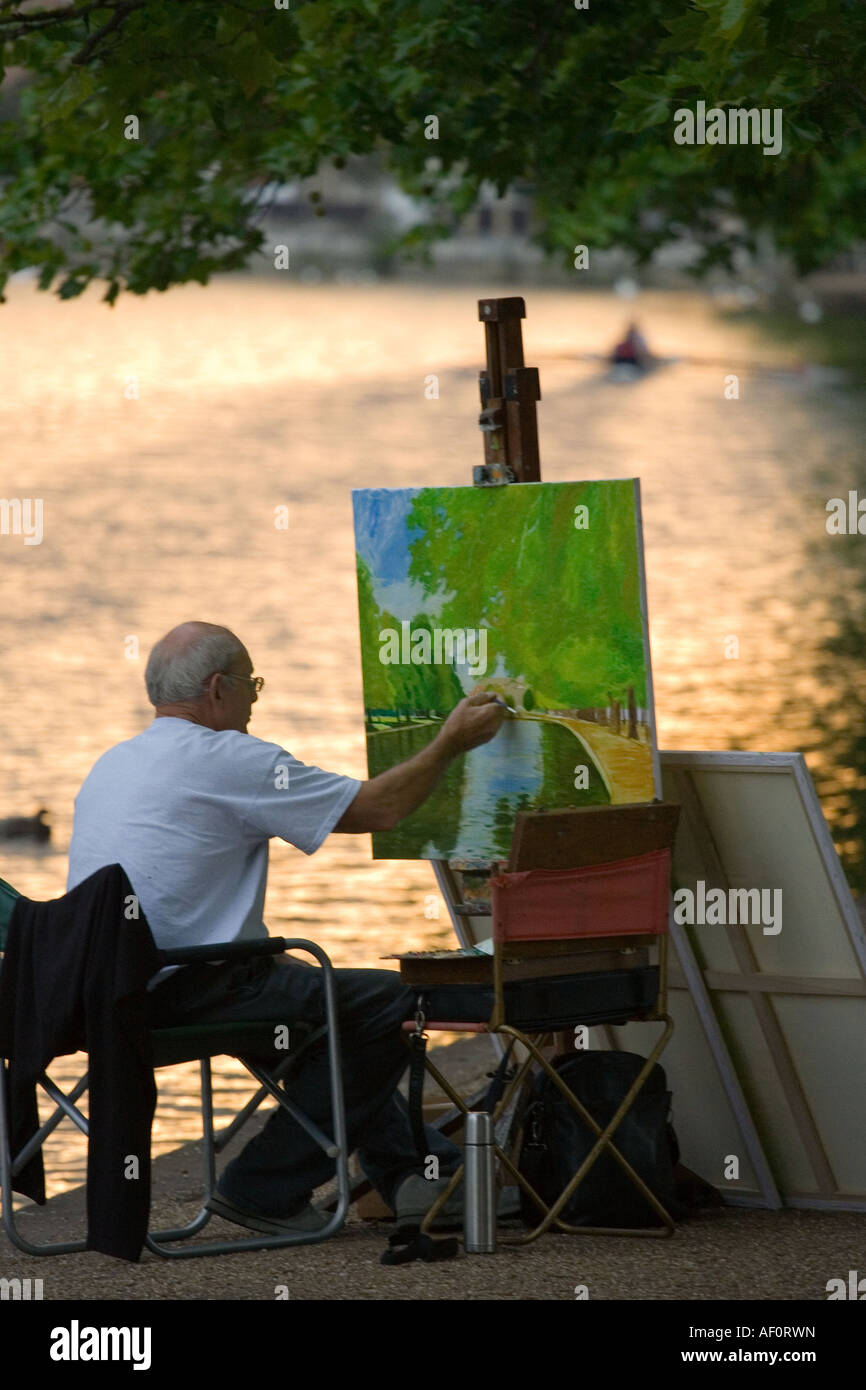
{"points": [[556, 1141]]}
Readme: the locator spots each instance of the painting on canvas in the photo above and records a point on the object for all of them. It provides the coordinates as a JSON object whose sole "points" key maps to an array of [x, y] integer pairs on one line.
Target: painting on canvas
{"points": [[534, 591]]}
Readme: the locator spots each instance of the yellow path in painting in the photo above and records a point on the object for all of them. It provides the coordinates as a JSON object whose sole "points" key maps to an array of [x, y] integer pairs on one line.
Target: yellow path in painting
{"points": [[624, 764]]}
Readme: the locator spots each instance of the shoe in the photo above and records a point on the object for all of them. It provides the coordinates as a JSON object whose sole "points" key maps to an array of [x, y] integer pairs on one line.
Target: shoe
{"points": [[309, 1218], [416, 1195]]}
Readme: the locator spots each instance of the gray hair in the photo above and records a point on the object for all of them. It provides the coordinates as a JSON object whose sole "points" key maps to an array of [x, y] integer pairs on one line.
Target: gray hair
{"points": [[177, 671]]}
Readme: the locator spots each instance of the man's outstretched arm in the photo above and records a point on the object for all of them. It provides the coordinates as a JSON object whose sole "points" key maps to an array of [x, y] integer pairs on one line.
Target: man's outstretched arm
{"points": [[386, 800]]}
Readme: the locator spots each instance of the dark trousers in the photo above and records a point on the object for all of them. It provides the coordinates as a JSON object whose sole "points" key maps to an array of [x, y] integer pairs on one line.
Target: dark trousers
{"points": [[279, 1168]]}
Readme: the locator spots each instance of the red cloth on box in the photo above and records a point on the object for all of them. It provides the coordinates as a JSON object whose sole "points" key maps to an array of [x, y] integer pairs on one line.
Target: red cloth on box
{"points": [[628, 897]]}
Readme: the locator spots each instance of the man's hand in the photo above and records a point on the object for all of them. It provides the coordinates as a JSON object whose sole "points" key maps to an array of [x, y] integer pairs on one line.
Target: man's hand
{"points": [[476, 720], [389, 798]]}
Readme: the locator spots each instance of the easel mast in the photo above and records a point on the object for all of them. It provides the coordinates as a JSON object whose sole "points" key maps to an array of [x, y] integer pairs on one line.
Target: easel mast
{"points": [[508, 421], [509, 393]]}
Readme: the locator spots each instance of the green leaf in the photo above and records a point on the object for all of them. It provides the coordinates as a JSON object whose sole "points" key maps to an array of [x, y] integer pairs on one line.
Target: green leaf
{"points": [[71, 288], [253, 65], [75, 89], [729, 16], [647, 103]]}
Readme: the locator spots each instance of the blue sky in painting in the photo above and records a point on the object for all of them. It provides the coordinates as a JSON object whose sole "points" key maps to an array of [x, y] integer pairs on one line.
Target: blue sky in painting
{"points": [[382, 539]]}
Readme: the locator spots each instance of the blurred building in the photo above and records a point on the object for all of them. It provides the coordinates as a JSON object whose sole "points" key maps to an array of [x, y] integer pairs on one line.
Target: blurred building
{"points": [[352, 218]]}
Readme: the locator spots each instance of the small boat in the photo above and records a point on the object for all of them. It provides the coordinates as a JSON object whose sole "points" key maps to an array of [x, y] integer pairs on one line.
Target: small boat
{"points": [[632, 351], [629, 371], [631, 359], [26, 827]]}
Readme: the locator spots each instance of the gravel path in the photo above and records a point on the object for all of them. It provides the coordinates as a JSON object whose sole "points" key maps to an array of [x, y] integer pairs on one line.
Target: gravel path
{"points": [[731, 1254]]}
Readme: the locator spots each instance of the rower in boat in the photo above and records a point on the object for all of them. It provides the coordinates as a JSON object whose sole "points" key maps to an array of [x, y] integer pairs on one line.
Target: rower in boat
{"points": [[633, 351]]}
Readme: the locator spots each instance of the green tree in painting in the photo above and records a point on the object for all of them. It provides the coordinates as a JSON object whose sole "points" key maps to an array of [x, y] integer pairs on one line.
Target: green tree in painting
{"points": [[521, 563], [378, 691], [414, 688], [429, 687]]}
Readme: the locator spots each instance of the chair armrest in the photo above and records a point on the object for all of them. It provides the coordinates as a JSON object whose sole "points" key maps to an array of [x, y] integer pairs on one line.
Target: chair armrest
{"points": [[229, 950]]}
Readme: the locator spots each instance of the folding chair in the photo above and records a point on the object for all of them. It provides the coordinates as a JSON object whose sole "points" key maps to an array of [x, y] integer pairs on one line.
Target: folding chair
{"points": [[248, 1042], [538, 916]]}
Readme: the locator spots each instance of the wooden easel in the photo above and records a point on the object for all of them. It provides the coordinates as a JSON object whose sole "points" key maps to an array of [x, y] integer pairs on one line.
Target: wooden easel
{"points": [[508, 421], [509, 425], [509, 392]]}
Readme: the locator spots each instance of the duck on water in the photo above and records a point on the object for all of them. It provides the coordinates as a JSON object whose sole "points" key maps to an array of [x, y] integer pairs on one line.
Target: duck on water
{"points": [[26, 827]]}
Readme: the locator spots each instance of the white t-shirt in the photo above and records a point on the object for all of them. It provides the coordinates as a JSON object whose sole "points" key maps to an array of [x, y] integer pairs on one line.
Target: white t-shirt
{"points": [[188, 813]]}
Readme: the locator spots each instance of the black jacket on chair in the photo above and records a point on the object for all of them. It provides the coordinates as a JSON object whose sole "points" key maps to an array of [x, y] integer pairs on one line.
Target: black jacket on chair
{"points": [[74, 978]]}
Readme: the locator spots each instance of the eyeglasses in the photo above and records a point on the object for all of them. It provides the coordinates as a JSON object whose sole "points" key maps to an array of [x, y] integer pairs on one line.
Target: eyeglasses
{"points": [[256, 682]]}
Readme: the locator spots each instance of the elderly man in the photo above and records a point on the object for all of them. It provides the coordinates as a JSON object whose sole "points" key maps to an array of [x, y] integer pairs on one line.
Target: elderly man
{"points": [[187, 808]]}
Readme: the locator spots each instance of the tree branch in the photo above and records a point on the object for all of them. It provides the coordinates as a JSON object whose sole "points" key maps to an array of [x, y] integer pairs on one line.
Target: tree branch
{"points": [[121, 13], [42, 19]]}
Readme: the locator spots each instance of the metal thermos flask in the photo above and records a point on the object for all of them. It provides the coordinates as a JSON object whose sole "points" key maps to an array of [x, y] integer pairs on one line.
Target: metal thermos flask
{"points": [[479, 1196]]}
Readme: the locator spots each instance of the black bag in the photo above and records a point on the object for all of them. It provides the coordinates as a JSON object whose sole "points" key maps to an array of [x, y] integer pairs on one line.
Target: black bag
{"points": [[556, 1141]]}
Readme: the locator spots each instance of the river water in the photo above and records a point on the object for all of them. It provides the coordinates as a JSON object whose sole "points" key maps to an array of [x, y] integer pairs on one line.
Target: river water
{"points": [[163, 435]]}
